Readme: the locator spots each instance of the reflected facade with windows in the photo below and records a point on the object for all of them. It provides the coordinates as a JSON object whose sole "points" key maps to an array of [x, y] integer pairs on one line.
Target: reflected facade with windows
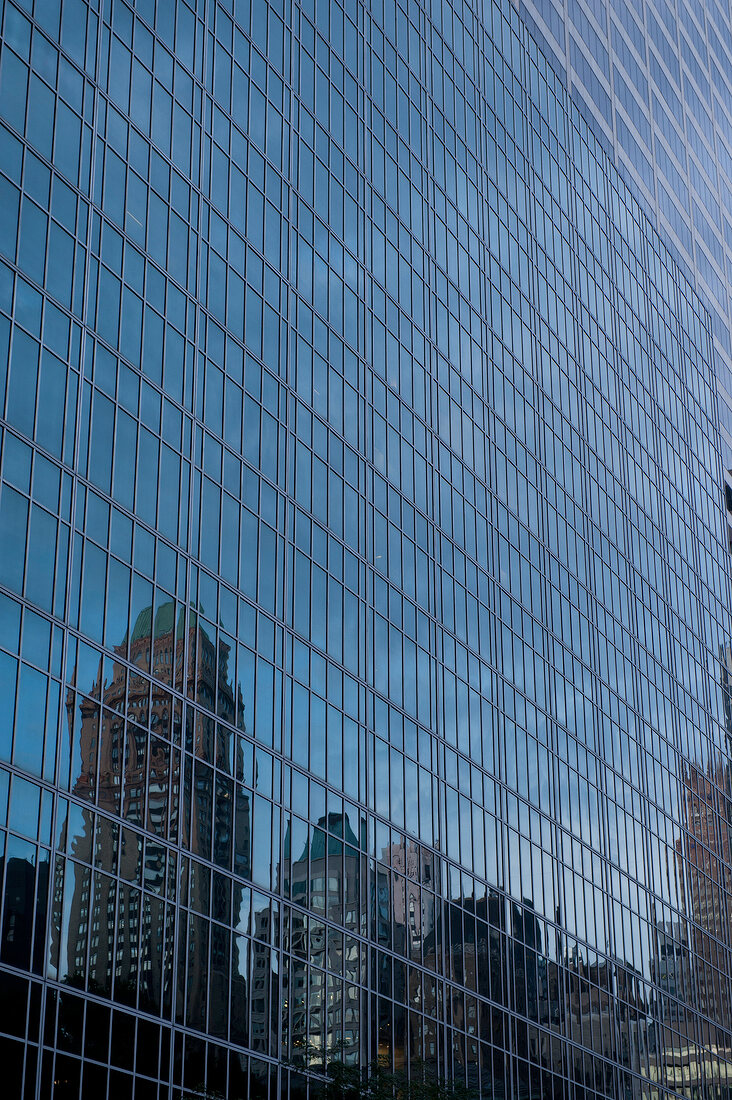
{"points": [[364, 591]]}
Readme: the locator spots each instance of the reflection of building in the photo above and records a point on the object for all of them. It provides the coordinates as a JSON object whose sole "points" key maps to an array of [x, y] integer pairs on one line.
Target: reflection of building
{"points": [[326, 878], [473, 939], [23, 930], [412, 909], [672, 974], [264, 1022], [690, 1037], [705, 863], [349, 333], [106, 931]]}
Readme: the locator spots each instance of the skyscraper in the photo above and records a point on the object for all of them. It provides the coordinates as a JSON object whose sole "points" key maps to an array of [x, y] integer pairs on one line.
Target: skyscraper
{"points": [[364, 590], [655, 80]]}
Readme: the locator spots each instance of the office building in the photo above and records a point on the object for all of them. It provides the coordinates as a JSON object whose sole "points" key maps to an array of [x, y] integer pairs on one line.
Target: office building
{"points": [[655, 81], [364, 584]]}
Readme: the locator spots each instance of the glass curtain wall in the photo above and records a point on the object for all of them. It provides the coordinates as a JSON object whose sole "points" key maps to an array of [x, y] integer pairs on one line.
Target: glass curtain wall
{"points": [[364, 595]]}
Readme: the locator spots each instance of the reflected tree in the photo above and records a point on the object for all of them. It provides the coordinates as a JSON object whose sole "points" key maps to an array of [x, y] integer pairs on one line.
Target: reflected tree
{"points": [[344, 1081]]}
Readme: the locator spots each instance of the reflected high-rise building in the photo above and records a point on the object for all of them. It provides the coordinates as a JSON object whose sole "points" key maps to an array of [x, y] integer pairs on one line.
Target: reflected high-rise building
{"points": [[320, 994], [365, 603], [673, 1027], [106, 935], [705, 857]]}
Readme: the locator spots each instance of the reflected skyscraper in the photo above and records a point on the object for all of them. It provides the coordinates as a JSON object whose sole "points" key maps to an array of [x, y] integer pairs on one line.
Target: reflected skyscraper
{"points": [[364, 585], [327, 879]]}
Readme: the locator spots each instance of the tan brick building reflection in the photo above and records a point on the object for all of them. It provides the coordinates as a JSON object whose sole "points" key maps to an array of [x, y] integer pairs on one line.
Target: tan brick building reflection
{"points": [[128, 734]]}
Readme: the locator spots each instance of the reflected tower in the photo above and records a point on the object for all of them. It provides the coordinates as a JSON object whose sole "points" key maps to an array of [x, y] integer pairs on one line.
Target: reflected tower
{"points": [[364, 572]]}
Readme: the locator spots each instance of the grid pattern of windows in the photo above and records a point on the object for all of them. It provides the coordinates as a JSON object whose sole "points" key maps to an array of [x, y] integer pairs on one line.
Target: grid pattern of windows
{"points": [[364, 590], [666, 113]]}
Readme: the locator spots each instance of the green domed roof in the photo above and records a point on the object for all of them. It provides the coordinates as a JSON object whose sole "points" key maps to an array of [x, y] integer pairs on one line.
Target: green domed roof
{"points": [[334, 823], [163, 624], [143, 626]]}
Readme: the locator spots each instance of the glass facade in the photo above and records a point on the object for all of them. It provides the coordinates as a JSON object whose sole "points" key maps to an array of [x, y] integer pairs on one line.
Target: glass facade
{"points": [[364, 592], [655, 79]]}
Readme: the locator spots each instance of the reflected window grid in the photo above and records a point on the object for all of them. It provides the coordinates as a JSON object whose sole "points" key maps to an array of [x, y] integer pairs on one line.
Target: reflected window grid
{"points": [[397, 717]]}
